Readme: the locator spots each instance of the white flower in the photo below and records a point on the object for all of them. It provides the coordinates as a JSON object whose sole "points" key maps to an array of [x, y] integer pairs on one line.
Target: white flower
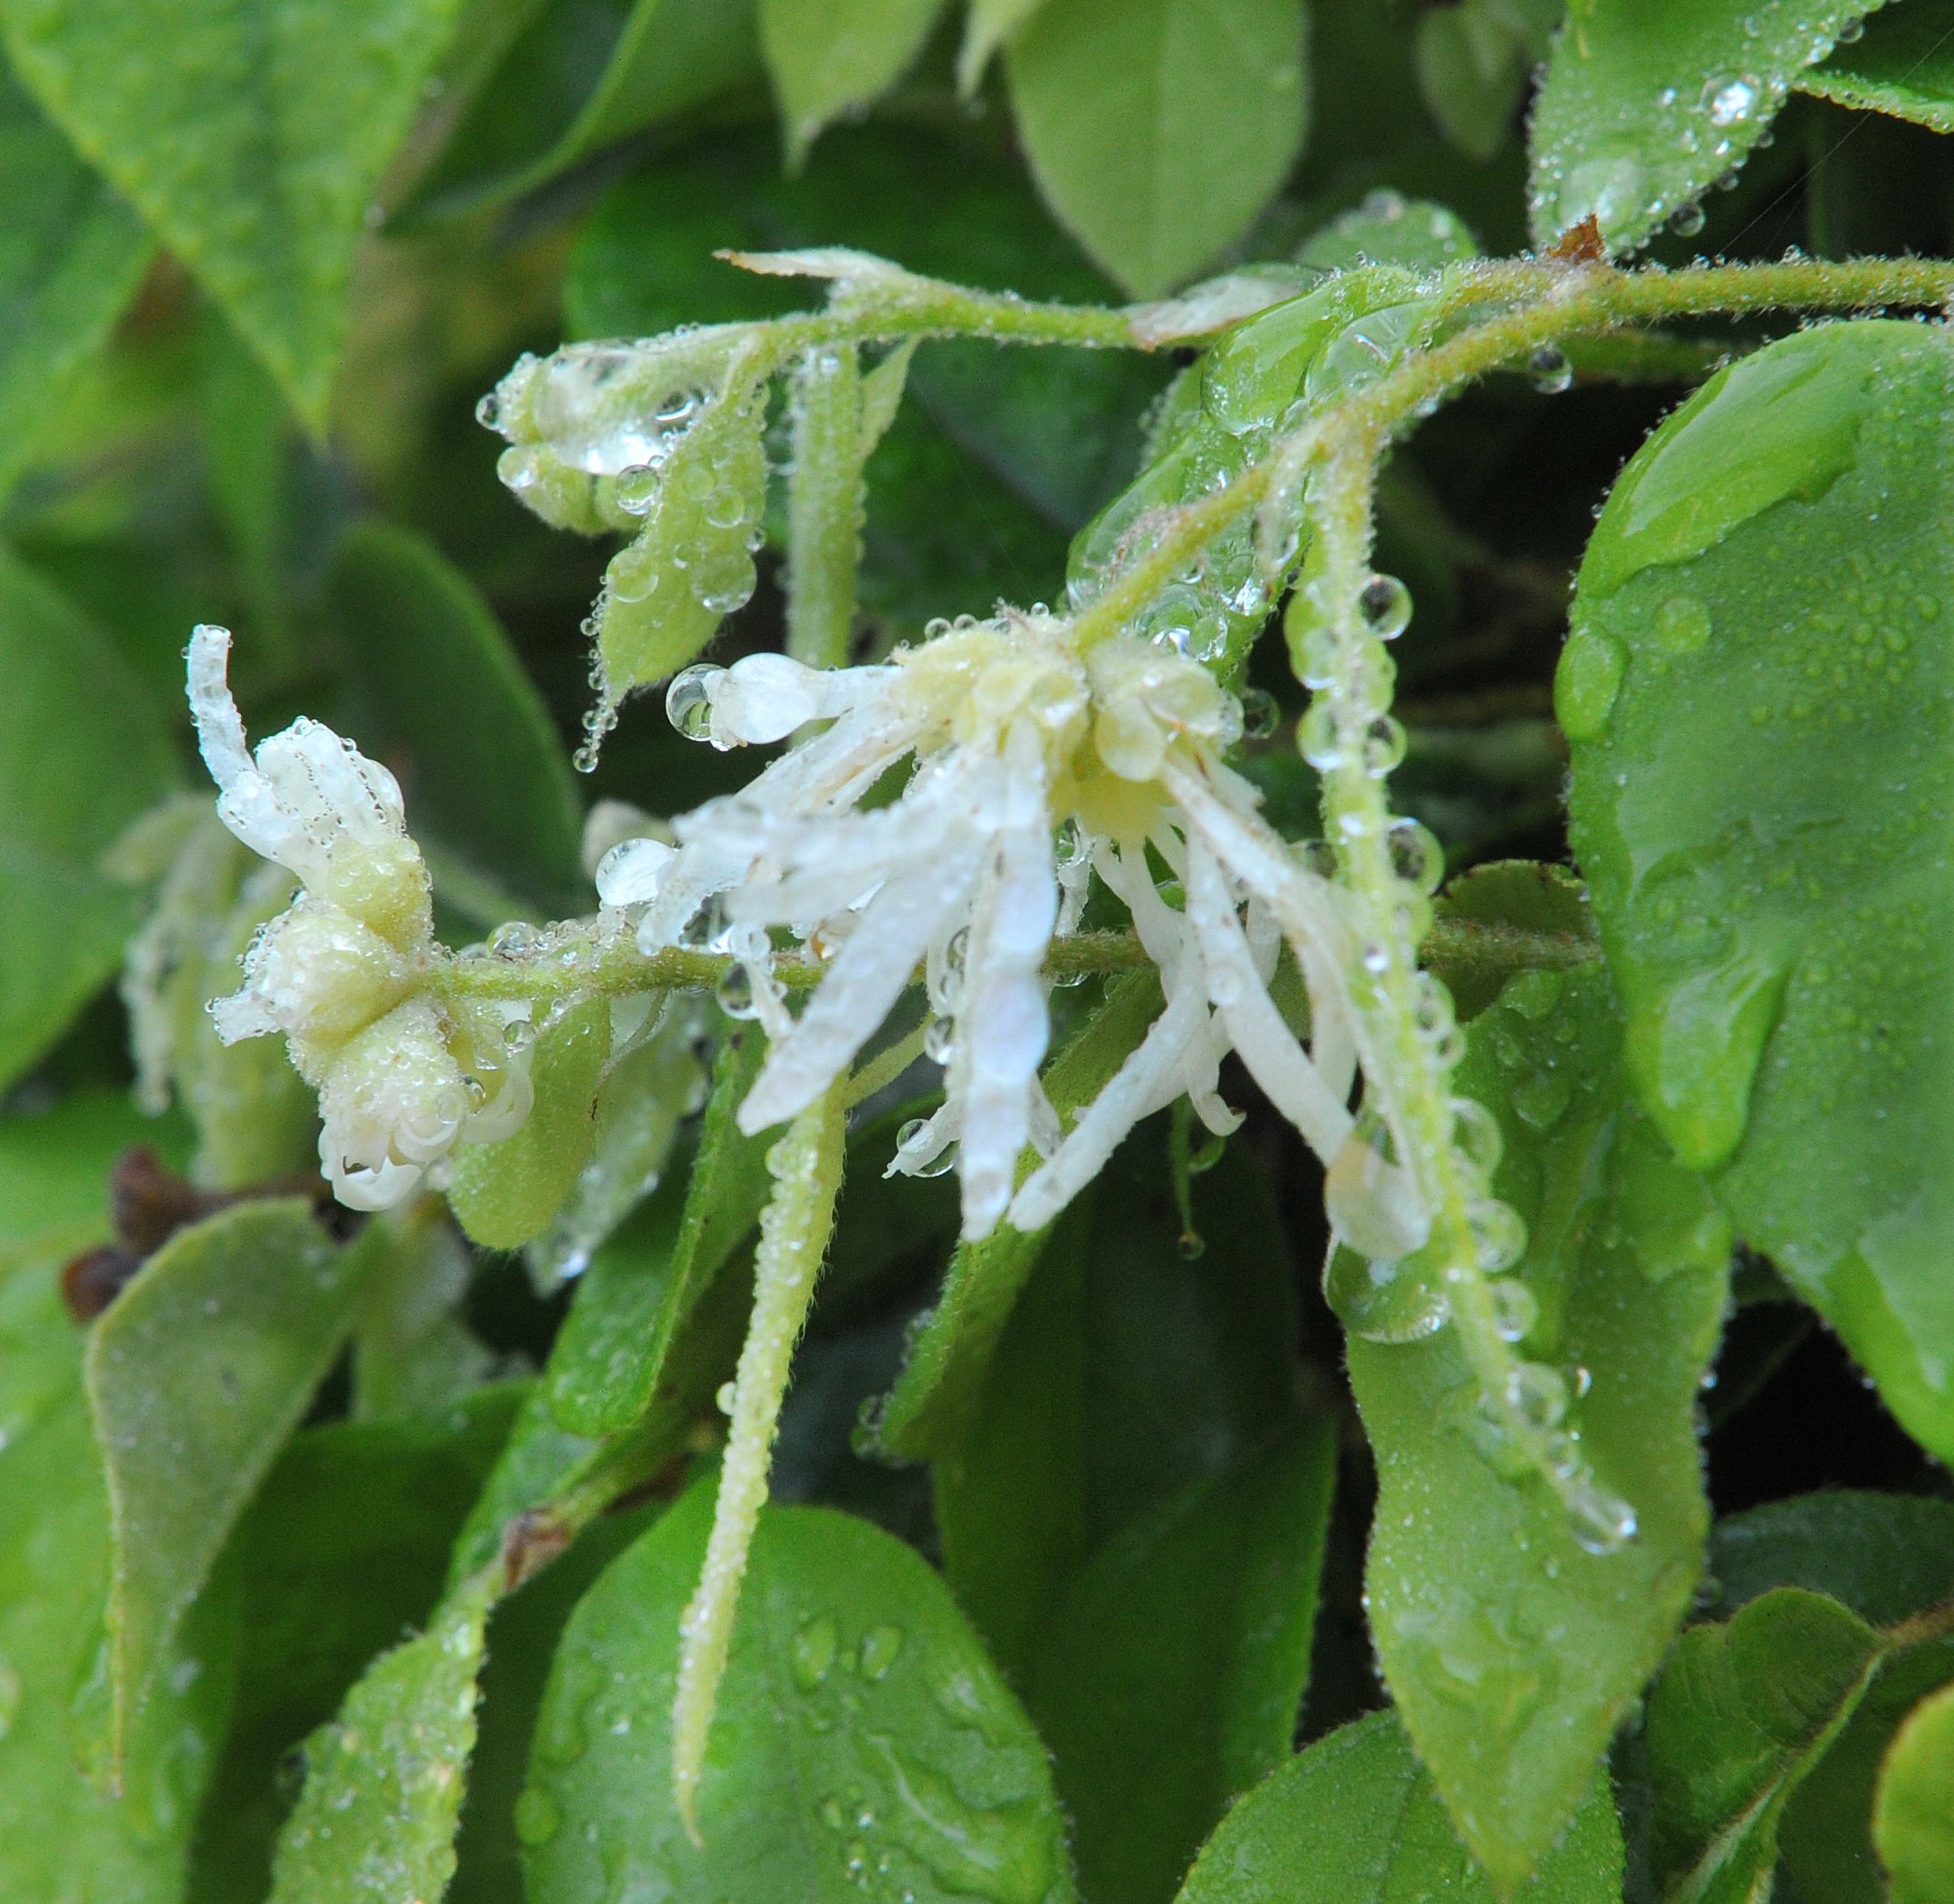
{"points": [[1014, 737], [340, 972]]}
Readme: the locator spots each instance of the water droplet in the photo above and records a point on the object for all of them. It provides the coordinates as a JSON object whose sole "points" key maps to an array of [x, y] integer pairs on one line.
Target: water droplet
{"points": [[515, 939], [1385, 604], [1369, 1198], [1687, 220], [1515, 1311], [688, 701], [879, 1647], [1731, 103], [1603, 1522], [1260, 714], [1538, 1394], [1317, 736], [1381, 1301], [1384, 746], [938, 1040], [723, 1397], [1681, 625], [1499, 1236], [1416, 857], [1549, 370], [735, 994], [1586, 682], [1541, 1097], [812, 1654]]}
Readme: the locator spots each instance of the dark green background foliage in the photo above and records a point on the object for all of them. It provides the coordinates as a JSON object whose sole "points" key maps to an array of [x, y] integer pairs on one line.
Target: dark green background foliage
{"points": [[1064, 1595]]}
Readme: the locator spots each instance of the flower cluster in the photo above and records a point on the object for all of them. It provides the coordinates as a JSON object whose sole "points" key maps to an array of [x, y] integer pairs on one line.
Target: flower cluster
{"points": [[401, 1079], [1029, 767]]}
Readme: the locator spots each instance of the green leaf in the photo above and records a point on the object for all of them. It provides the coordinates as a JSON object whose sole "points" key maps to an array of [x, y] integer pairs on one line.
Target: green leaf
{"points": [[1741, 1713], [943, 1378], [251, 134], [1513, 1649], [1903, 65], [1888, 1558], [412, 1353], [1914, 1822], [991, 24], [1755, 661], [1472, 75], [636, 1296], [862, 1734], [505, 1195], [345, 1545], [581, 77], [81, 755], [1885, 1555], [197, 1372], [384, 1782], [1169, 1677], [445, 703], [1648, 103], [1158, 129], [61, 1837], [829, 57], [54, 1165], [1355, 1820], [1388, 229], [70, 258], [1135, 1517]]}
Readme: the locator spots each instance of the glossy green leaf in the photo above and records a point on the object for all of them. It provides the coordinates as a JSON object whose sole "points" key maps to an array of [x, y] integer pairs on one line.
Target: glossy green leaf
{"points": [[385, 1780], [1648, 103], [1741, 1713], [1914, 1824], [862, 1734], [1903, 63], [1390, 229], [943, 1380], [634, 1301], [444, 700], [250, 133], [196, 1373], [1888, 1558], [1355, 1820], [505, 1195], [829, 57], [580, 76], [1158, 129], [70, 255], [81, 755], [1513, 1649], [61, 1836], [344, 1546], [1757, 639]]}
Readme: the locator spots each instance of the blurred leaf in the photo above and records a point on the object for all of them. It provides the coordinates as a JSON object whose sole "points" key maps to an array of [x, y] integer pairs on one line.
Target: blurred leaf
{"points": [[1903, 63], [445, 702], [829, 57], [384, 1782], [246, 427], [71, 254], [942, 1382], [1740, 1714], [412, 1353], [251, 134], [638, 1294], [60, 1836], [81, 755], [345, 1545], [1158, 129], [1355, 1820], [1648, 103], [1472, 73], [991, 22], [861, 1729], [1914, 1824], [1512, 1645], [1757, 638], [579, 76], [197, 1372], [54, 1165]]}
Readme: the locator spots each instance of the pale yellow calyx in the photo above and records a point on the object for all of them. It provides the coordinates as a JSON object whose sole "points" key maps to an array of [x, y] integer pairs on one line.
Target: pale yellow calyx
{"points": [[981, 687], [1146, 700], [385, 886], [322, 976]]}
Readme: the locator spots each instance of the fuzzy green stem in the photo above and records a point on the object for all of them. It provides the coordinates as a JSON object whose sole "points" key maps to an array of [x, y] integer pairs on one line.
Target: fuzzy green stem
{"points": [[795, 1228], [824, 505]]}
